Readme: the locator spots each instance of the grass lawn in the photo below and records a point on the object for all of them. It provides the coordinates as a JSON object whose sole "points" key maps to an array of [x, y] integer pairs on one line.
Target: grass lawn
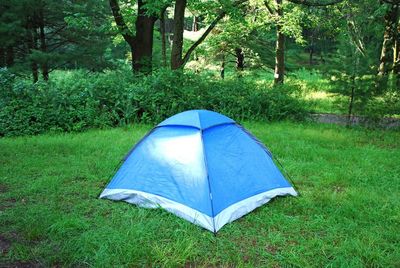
{"points": [[348, 213]]}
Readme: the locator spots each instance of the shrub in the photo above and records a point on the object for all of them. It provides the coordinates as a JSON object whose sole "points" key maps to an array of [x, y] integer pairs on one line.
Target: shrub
{"points": [[372, 96], [77, 100]]}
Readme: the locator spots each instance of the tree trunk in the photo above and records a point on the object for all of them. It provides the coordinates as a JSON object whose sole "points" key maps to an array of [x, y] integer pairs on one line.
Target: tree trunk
{"points": [[396, 58], [2, 57], [35, 68], [239, 59], [391, 22], [353, 87], [195, 28], [163, 41], [9, 56], [143, 45], [195, 24], [396, 55], [222, 72], [321, 56], [280, 48], [177, 44], [43, 46], [351, 101], [311, 48], [396, 49], [32, 44]]}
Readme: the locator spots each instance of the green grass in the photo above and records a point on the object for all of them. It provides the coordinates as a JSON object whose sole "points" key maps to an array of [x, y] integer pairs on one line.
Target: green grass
{"points": [[348, 214], [315, 88]]}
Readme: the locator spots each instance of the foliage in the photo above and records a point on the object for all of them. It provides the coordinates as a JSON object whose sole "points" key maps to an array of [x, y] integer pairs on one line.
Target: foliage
{"points": [[77, 100], [55, 33]]}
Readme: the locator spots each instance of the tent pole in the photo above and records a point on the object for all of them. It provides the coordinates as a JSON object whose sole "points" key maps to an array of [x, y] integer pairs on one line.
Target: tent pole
{"points": [[208, 180]]}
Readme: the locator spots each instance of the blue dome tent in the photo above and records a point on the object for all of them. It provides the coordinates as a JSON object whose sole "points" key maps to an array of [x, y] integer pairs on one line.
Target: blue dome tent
{"points": [[201, 166]]}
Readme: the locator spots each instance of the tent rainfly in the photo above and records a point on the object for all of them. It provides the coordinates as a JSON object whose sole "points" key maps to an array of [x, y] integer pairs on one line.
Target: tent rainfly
{"points": [[201, 166]]}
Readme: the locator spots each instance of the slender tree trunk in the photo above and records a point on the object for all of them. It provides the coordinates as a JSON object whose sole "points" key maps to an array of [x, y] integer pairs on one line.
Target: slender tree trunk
{"points": [[35, 67], [351, 101], [383, 58], [9, 56], [353, 87], [2, 57], [123, 28], [280, 47], [163, 41], [396, 58], [311, 49], [195, 28], [321, 56], [396, 50], [195, 24], [177, 44], [43, 46], [391, 23], [396, 55], [239, 59], [222, 72], [32, 44], [279, 58]]}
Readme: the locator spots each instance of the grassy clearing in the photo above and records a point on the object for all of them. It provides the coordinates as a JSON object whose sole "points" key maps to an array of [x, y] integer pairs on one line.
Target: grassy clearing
{"points": [[324, 102], [315, 88], [348, 213]]}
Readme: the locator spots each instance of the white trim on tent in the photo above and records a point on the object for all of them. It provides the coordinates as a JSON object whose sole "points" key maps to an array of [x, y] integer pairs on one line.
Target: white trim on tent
{"points": [[243, 207], [227, 215], [147, 200]]}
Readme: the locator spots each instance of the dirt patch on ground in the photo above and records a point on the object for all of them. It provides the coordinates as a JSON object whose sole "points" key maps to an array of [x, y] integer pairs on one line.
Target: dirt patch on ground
{"points": [[3, 188], [5, 245], [272, 249], [387, 123], [20, 264], [8, 203], [338, 189]]}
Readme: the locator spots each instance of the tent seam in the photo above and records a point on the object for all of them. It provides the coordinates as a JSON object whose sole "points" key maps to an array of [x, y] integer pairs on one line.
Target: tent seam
{"points": [[208, 180], [268, 151]]}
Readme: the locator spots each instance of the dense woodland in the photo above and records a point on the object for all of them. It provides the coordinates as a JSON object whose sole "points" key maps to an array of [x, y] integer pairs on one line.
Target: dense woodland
{"points": [[101, 63]]}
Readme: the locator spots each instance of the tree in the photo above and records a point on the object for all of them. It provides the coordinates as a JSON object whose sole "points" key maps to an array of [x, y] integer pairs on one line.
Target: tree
{"points": [[48, 34], [280, 46], [277, 11], [163, 39], [177, 43], [389, 54], [140, 43], [179, 61]]}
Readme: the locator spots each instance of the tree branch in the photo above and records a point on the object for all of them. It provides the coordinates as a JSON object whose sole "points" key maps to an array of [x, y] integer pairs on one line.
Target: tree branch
{"points": [[202, 37], [315, 4], [119, 20], [220, 16], [270, 9], [392, 2]]}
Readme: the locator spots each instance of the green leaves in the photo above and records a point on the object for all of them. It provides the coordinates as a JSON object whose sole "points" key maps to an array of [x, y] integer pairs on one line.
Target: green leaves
{"points": [[75, 101]]}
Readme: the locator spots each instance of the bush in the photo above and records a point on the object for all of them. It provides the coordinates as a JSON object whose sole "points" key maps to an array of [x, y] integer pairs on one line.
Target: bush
{"points": [[374, 97], [77, 100]]}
